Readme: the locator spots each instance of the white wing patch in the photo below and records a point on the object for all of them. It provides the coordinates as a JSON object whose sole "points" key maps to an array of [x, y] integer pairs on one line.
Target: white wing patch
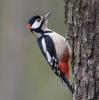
{"points": [[48, 57], [45, 50], [53, 61], [44, 45]]}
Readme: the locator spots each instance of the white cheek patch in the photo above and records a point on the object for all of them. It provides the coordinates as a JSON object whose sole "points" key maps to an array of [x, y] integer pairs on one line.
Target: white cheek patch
{"points": [[36, 25]]}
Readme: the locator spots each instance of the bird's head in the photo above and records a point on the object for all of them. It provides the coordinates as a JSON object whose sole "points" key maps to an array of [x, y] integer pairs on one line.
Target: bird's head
{"points": [[38, 23]]}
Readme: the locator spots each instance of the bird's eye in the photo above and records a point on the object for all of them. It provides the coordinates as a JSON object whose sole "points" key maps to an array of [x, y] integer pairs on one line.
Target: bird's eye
{"points": [[38, 20]]}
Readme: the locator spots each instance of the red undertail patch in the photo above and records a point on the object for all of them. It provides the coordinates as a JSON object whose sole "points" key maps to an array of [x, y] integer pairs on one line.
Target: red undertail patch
{"points": [[64, 64]]}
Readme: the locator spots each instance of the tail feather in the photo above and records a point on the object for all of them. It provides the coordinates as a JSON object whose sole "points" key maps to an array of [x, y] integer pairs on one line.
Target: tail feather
{"points": [[66, 81]]}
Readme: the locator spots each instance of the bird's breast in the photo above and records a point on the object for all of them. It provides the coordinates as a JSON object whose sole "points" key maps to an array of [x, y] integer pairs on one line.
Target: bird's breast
{"points": [[60, 44]]}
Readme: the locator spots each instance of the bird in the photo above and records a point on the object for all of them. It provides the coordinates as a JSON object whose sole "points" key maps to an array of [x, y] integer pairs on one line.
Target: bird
{"points": [[53, 46]]}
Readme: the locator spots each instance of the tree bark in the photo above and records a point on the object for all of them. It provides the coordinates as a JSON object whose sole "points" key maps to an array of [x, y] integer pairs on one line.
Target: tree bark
{"points": [[82, 22]]}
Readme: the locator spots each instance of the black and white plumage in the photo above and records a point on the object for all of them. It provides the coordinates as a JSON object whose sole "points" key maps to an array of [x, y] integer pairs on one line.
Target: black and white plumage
{"points": [[49, 52], [54, 47]]}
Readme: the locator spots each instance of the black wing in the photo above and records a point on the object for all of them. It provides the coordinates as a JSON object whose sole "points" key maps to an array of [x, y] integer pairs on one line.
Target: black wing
{"points": [[50, 49]]}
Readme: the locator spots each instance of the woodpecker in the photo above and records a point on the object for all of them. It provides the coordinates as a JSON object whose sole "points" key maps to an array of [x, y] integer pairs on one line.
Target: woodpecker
{"points": [[54, 47]]}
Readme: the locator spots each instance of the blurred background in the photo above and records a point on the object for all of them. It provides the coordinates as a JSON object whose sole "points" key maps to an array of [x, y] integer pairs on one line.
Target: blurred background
{"points": [[24, 72]]}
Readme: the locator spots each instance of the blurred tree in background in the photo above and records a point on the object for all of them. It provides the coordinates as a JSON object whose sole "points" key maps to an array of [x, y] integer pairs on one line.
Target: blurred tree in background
{"points": [[24, 73]]}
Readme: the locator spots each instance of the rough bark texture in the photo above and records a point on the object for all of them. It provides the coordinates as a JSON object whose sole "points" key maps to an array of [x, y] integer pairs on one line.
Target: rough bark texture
{"points": [[82, 21]]}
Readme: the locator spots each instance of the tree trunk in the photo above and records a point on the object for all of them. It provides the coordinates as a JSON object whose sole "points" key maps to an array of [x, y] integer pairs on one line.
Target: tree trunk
{"points": [[82, 22]]}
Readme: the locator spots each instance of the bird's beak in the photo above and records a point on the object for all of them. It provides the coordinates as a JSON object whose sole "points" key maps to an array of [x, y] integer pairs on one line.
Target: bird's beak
{"points": [[29, 27], [46, 16]]}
